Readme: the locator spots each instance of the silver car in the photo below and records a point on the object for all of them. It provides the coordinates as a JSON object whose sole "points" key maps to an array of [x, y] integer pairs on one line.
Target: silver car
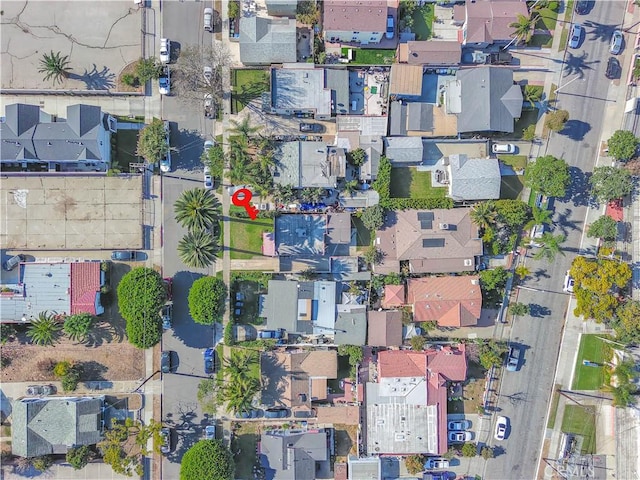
{"points": [[576, 34], [616, 42]]}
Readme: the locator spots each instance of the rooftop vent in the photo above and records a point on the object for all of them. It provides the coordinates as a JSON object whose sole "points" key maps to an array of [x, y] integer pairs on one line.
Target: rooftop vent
{"points": [[444, 226]]}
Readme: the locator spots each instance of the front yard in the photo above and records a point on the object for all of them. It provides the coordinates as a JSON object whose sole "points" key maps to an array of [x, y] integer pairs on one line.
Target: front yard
{"points": [[591, 349], [126, 146], [408, 182], [246, 85], [581, 421], [246, 234], [244, 447]]}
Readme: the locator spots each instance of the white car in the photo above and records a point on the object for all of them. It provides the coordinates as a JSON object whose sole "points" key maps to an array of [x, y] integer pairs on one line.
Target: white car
{"points": [[575, 35], [501, 428], [505, 148], [208, 19], [436, 463], [165, 162], [165, 50], [569, 282], [164, 81], [234, 188], [459, 425], [459, 437], [207, 72], [208, 180]]}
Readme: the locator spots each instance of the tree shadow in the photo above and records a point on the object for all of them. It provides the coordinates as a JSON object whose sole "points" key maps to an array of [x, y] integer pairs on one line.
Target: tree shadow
{"points": [[96, 80], [190, 150], [93, 371], [599, 31], [540, 273], [192, 334], [564, 223], [576, 65], [538, 311], [101, 333], [578, 191], [575, 129]]}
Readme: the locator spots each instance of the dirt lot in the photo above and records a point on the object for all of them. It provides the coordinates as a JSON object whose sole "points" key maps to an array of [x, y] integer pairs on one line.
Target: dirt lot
{"points": [[346, 440]]}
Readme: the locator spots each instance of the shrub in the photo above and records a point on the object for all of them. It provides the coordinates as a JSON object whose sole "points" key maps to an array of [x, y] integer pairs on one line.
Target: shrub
{"points": [[6, 332], [62, 368], [556, 120], [207, 459], [129, 79], [417, 342], [414, 464], [529, 133], [79, 457], [147, 68], [42, 463], [207, 300], [229, 338], [469, 450], [487, 453]]}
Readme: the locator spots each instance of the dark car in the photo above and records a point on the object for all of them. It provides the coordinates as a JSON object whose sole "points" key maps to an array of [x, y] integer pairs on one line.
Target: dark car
{"points": [[253, 413], [168, 285], [613, 68], [311, 127], [41, 390], [165, 435], [209, 361], [166, 313], [165, 362], [124, 255], [278, 412], [582, 7]]}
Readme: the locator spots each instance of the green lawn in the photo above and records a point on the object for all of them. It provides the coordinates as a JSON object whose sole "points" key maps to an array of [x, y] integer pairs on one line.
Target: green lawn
{"points": [[511, 187], [246, 439], [126, 146], [591, 349], [370, 56], [563, 39], [553, 411], [548, 19], [363, 236], [581, 421], [247, 84], [529, 116], [541, 40], [250, 304], [246, 235], [408, 182], [423, 22], [518, 162]]}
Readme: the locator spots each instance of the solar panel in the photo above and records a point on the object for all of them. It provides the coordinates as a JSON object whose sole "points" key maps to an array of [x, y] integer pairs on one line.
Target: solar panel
{"points": [[432, 242], [426, 225]]}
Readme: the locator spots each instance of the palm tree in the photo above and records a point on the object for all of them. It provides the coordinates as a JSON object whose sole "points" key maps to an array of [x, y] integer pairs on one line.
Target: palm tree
{"points": [[44, 330], [532, 94], [285, 193], [522, 271], [240, 392], [550, 246], [243, 128], [350, 187], [539, 216], [198, 249], [484, 214], [239, 161], [523, 27], [196, 209], [237, 365], [55, 66]]}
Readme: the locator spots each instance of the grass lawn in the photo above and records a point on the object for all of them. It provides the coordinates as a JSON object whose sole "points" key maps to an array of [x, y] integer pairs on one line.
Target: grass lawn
{"points": [[542, 40], [247, 84], [511, 187], [423, 22], [408, 182], [593, 349], [126, 146], [518, 162], [246, 235], [554, 407], [527, 117], [581, 421], [245, 440], [363, 236], [548, 19], [563, 39], [370, 56]]}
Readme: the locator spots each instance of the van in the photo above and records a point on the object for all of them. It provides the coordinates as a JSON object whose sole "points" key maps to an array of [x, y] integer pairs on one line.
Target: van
{"points": [[13, 262], [208, 19]]}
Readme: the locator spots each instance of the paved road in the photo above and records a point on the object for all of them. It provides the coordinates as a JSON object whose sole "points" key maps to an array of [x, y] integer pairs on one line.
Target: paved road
{"points": [[525, 394]]}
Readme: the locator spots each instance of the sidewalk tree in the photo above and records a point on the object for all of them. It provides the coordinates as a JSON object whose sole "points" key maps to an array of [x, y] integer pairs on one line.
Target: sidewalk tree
{"points": [[487, 452], [556, 120], [539, 216], [469, 450], [152, 142], [55, 66], [141, 294], [78, 326], [125, 445], [491, 354], [522, 271], [207, 298], [414, 463], [548, 175], [550, 246], [609, 183], [148, 69], [604, 227], [519, 309], [196, 209], [187, 79], [373, 217], [214, 159], [622, 145], [529, 133], [626, 322], [512, 213], [533, 94], [198, 249], [599, 275], [44, 330], [207, 459]]}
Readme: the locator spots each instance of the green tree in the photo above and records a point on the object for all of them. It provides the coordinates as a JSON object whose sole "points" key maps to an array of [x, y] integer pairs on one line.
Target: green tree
{"points": [[285, 194], [141, 294], [244, 129], [609, 183], [550, 247], [414, 464], [307, 12], [373, 217], [491, 354], [198, 249], [529, 133], [78, 326], [240, 392], [548, 175], [539, 216], [354, 352], [54, 66], [196, 209], [351, 187], [69, 374], [484, 214], [207, 460], [152, 142], [373, 255], [599, 275], [469, 450], [207, 298], [44, 330], [523, 27], [494, 279], [626, 321], [429, 326], [513, 213], [125, 445], [522, 271], [357, 157], [43, 463], [487, 453], [622, 145], [519, 309], [234, 10], [556, 120], [532, 94], [214, 159], [147, 69], [417, 342], [604, 227], [79, 457]]}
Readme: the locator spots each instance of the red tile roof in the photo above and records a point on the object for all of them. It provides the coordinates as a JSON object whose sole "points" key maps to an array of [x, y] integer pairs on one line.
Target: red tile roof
{"points": [[402, 363], [393, 296], [85, 284]]}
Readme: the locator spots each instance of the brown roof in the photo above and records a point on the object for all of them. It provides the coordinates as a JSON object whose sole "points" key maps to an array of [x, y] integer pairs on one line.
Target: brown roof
{"points": [[355, 15], [385, 328], [488, 21], [419, 236], [406, 80], [343, 414], [452, 301], [427, 52], [393, 296]]}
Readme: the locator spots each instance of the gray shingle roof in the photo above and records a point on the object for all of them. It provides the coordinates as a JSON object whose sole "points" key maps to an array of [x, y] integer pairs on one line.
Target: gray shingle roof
{"points": [[264, 41], [351, 325], [420, 116], [398, 119], [490, 100], [281, 306], [292, 455], [474, 178], [337, 79], [404, 149]]}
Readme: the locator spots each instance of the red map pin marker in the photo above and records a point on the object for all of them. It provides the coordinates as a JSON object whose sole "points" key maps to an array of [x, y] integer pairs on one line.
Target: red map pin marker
{"points": [[242, 198]]}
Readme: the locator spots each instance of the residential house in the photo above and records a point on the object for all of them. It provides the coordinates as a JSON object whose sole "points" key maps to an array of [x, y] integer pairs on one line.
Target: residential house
{"points": [[297, 454], [430, 53], [452, 301], [411, 118], [430, 241], [81, 141], [364, 468], [473, 179], [393, 296], [484, 99], [313, 235], [264, 41], [302, 89], [295, 379], [406, 81], [364, 125], [407, 406], [56, 287], [52, 425], [282, 8], [385, 328], [308, 164], [404, 150], [357, 21], [487, 22], [372, 146], [351, 325]]}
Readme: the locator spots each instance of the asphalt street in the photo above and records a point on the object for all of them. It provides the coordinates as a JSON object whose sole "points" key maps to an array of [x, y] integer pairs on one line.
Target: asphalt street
{"points": [[525, 394]]}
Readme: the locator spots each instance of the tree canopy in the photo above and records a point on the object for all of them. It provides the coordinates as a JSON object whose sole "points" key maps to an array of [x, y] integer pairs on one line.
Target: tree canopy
{"points": [[627, 322], [152, 141], [604, 227], [556, 120], [373, 217], [622, 144], [207, 460], [608, 183], [187, 78], [141, 294], [548, 175], [357, 157], [207, 298], [599, 275], [513, 213]]}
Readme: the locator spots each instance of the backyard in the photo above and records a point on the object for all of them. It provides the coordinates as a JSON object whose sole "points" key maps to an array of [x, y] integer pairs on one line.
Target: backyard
{"points": [[595, 350], [370, 56], [246, 234], [245, 441], [363, 235], [408, 182], [423, 22], [246, 85], [581, 420]]}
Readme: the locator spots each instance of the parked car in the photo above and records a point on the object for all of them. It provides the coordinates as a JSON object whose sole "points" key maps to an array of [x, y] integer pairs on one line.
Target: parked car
{"points": [[234, 188], [252, 413], [276, 412], [165, 162], [582, 7], [165, 50], [208, 179], [208, 19], [164, 81], [459, 437], [311, 127], [504, 148], [41, 390], [209, 110], [513, 359], [613, 68], [207, 72], [501, 428], [165, 435], [13, 262], [166, 313], [575, 35], [166, 364], [210, 432], [168, 286], [209, 361], [459, 425], [616, 42], [436, 463], [569, 282], [124, 255], [390, 27], [271, 333]]}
